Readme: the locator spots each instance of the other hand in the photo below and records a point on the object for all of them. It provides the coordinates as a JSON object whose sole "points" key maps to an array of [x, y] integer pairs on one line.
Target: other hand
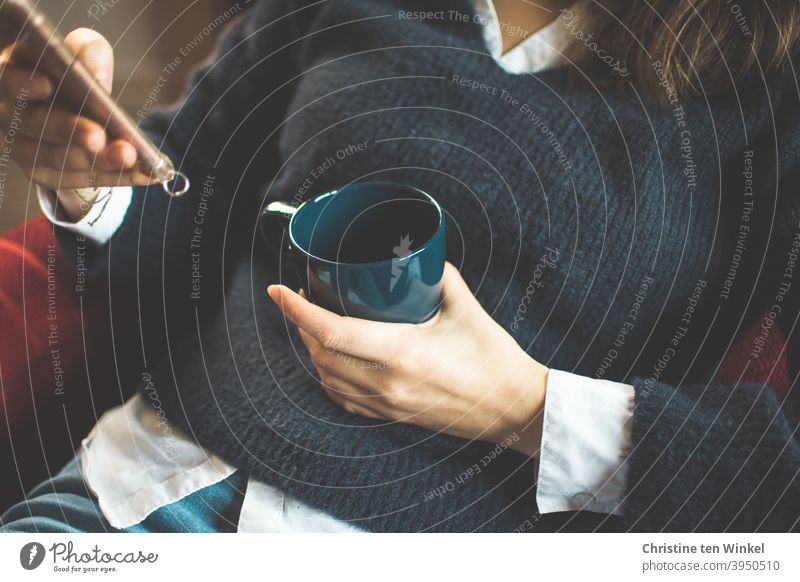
{"points": [[57, 148]]}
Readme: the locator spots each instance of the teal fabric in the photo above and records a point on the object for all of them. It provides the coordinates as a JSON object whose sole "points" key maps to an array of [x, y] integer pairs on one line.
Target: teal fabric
{"points": [[65, 504]]}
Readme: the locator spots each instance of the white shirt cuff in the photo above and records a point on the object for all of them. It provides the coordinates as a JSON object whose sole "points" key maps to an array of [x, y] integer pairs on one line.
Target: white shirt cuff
{"points": [[101, 222], [586, 438]]}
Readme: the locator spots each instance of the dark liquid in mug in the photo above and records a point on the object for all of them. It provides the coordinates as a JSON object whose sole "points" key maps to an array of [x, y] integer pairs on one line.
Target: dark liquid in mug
{"points": [[385, 230]]}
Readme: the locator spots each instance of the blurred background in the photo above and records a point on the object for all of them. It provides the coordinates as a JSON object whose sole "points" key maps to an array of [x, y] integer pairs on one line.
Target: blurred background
{"points": [[146, 35]]}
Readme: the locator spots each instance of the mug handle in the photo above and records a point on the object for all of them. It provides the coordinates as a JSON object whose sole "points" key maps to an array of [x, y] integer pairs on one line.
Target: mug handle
{"points": [[273, 224]]}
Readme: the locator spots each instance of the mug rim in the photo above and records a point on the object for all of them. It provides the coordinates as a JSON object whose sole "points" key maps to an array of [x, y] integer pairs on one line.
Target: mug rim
{"points": [[333, 192]]}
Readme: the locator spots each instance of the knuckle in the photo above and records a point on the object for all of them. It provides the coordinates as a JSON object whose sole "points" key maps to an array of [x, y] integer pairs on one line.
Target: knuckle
{"points": [[349, 407], [324, 381], [312, 348], [320, 362], [330, 339], [54, 158], [76, 160], [393, 394], [335, 397]]}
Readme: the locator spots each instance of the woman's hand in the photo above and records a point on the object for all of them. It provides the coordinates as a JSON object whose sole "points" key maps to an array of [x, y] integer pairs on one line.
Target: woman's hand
{"points": [[459, 373], [59, 149]]}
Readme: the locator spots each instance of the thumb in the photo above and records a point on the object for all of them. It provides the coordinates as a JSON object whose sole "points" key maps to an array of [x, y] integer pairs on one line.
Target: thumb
{"points": [[96, 54]]}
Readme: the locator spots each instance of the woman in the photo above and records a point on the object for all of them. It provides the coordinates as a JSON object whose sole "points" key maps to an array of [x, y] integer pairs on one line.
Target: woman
{"points": [[616, 177]]}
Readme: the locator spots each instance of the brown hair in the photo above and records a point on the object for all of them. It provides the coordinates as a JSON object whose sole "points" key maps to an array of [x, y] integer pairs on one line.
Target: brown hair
{"points": [[692, 47]]}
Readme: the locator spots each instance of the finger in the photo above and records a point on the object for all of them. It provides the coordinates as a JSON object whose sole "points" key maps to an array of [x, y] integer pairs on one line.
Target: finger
{"points": [[21, 83], [57, 126], [72, 159], [346, 390], [349, 368], [339, 392], [57, 180], [96, 54], [370, 340], [121, 154]]}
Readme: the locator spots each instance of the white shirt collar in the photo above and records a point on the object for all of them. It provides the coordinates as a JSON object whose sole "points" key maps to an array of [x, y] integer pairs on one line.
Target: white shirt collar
{"points": [[542, 50]]}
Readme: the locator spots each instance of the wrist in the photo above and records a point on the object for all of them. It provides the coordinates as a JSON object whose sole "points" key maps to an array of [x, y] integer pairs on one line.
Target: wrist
{"points": [[531, 423], [76, 204]]}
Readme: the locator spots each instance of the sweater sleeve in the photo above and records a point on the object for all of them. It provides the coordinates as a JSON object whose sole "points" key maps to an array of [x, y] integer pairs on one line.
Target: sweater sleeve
{"points": [[712, 458], [165, 262]]}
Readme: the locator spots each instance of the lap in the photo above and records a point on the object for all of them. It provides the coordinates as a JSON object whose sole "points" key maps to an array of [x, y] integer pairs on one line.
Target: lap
{"points": [[62, 504], [65, 504]]}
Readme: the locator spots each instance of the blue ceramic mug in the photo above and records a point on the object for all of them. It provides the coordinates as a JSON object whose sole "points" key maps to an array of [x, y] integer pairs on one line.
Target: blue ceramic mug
{"points": [[372, 250]]}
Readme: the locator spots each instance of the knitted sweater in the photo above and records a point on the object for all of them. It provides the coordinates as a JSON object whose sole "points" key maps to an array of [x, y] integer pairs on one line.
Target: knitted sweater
{"points": [[673, 227]]}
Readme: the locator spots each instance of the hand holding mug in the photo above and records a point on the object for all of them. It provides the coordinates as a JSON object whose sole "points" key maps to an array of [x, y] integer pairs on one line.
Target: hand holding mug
{"points": [[459, 373]]}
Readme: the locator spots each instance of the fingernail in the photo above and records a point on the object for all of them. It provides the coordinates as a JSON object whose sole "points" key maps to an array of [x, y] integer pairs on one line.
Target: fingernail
{"points": [[102, 78], [41, 88], [123, 156], [95, 140], [274, 293]]}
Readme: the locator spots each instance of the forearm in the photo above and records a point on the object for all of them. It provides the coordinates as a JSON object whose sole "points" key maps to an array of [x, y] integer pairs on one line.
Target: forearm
{"points": [[76, 204]]}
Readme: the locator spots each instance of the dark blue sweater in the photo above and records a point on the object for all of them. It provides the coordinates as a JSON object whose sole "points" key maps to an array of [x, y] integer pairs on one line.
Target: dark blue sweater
{"points": [[644, 204]]}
